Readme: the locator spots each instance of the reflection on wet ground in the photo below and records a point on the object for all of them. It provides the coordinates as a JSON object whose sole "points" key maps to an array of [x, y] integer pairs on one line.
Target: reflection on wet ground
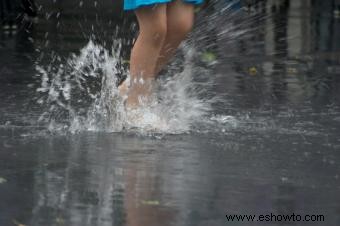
{"points": [[278, 72], [105, 179]]}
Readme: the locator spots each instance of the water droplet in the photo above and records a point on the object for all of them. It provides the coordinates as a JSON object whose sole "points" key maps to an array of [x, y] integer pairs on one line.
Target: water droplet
{"points": [[284, 179], [3, 180]]}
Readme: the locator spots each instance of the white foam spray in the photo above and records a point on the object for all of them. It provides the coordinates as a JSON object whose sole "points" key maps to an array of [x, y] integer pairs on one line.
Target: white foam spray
{"points": [[81, 95]]}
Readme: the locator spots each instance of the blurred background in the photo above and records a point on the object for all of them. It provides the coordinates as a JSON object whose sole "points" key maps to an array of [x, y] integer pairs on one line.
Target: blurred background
{"points": [[308, 24]]}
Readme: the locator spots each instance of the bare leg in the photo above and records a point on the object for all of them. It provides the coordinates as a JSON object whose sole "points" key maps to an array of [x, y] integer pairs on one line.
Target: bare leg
{"points": [[180, 19], [144, 55]]}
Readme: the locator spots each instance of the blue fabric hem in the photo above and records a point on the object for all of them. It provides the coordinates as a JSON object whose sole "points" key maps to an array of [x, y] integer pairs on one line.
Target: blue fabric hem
{"points": [[145, 3], [142, 3]]}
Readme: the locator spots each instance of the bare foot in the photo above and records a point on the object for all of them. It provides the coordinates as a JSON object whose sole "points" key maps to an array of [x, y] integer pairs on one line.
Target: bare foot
{"points": [[138, 91]]}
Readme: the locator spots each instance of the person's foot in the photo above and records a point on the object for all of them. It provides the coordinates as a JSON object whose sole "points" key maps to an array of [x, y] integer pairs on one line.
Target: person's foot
{"points": [[145, 119], [136, 92]]}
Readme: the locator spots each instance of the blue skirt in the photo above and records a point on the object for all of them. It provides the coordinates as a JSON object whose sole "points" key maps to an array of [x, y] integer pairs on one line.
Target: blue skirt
{"points": [[134, 4]]}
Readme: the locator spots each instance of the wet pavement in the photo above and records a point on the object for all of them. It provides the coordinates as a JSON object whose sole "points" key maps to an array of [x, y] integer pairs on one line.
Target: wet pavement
{"points": [[278, 73]]}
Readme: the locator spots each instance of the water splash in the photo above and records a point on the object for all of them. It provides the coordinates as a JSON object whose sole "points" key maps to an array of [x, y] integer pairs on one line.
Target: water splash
{"points": [[82, 95]]}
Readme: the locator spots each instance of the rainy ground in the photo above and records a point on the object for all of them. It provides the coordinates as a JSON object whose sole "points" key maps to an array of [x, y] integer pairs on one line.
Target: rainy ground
{"points": [[257, 121]]}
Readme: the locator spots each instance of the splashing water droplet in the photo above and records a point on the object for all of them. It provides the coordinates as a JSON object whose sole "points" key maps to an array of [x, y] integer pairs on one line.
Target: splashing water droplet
{"points": [[82, 94]]}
